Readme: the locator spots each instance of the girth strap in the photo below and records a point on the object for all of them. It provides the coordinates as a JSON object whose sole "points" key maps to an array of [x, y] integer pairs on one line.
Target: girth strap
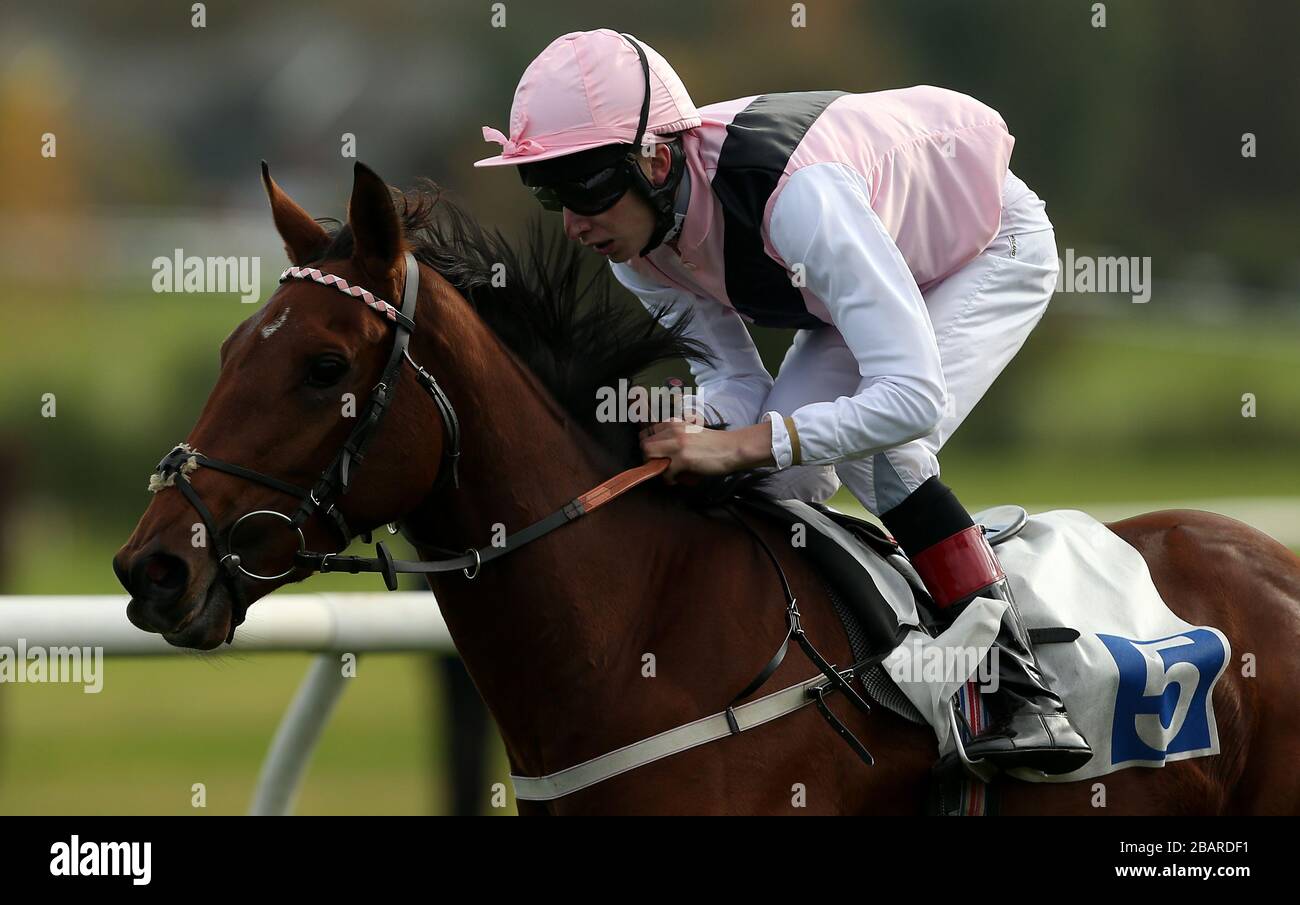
{"points": [[837, 680]]}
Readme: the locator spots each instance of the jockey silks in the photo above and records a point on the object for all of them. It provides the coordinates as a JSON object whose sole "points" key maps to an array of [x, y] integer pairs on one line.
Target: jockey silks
{"points": [[932, 162]]}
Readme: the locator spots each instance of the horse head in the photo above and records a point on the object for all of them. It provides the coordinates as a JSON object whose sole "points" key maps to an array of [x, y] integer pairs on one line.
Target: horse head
{"points": [[281, 432]]}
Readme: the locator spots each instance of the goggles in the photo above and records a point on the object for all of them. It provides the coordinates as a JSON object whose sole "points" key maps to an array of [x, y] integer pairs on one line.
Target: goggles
{"points": [[588, 195]]}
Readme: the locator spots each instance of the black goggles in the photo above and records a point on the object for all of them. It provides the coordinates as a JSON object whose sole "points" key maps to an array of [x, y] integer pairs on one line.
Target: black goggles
{"points": [[590, 195]]}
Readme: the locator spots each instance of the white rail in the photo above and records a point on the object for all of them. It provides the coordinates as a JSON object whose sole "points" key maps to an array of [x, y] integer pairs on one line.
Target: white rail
{"points": [[330, 624], [401, 621]]}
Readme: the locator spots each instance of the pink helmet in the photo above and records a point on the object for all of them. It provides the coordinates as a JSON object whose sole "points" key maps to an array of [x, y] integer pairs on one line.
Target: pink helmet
{"points": [[586, 90]]}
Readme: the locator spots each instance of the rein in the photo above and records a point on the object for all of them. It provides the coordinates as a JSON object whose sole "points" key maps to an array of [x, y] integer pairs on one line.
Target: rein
{"points": [[178, 465], [477, 557]]}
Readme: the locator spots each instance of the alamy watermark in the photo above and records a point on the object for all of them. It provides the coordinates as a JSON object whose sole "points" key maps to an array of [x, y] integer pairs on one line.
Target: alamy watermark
{"points": [[629, 403], [75, 858], [936, 664], [37, 664], [180, 273], [1089, 273]]}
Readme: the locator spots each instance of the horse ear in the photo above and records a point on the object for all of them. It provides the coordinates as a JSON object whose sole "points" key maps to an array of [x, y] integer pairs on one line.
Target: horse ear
{"points": [[305, 240], [376, 229]]}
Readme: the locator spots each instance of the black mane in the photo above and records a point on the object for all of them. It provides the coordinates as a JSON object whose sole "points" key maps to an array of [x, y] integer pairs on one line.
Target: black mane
{"points": [[547, 304]]}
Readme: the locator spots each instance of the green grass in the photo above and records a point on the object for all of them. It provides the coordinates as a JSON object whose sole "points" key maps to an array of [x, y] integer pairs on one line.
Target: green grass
{"points": [[162, 724], [101, 355], [1074, 481]]}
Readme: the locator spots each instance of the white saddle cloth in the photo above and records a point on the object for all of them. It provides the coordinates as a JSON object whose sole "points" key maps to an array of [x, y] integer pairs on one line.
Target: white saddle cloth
{"points": [[1138, 680]]}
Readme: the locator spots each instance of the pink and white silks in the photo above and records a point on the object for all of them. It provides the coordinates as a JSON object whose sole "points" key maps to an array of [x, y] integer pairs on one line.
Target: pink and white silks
{"points": [[923, 260], [926, 258]]}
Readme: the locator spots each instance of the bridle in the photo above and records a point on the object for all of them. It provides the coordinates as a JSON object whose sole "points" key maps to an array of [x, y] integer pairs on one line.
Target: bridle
{"points": [[323, 498]]}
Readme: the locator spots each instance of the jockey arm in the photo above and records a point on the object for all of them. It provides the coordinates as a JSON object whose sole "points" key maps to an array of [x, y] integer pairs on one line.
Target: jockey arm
{"points": [[731, 388], [823, 220]]}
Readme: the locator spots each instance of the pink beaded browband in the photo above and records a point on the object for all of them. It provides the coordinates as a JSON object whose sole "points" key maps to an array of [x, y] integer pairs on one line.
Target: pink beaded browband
{"points": [[329, 279]]}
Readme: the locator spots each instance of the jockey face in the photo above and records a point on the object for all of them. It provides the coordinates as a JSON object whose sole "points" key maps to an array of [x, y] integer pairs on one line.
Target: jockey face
{"points": [[620, 231]]}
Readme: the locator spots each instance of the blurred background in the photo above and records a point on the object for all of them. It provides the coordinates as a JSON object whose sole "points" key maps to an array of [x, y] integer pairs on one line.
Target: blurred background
{"points": [[1133, 133]]}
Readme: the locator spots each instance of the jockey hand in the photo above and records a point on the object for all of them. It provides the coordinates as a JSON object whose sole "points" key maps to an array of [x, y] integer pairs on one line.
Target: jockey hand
{"points": [[695, 449]]}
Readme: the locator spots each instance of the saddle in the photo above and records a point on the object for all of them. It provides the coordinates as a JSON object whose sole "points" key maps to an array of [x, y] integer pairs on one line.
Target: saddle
{"points": [[847, 554], [854, 559]]}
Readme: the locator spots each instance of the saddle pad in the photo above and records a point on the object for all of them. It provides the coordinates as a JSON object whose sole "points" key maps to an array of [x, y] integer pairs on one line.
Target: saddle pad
{"points": [[1137, 682]]}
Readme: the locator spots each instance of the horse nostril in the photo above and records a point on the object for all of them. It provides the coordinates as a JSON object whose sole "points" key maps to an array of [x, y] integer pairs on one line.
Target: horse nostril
{"points": [[158, 575], [123, 575]]}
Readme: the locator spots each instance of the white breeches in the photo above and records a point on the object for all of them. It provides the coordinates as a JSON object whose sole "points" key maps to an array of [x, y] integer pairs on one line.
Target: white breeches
{"points": [[982, 314]]}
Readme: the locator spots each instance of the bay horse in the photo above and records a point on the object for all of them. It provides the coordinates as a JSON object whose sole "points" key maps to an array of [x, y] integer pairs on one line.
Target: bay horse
{"points": [[557, 635]]}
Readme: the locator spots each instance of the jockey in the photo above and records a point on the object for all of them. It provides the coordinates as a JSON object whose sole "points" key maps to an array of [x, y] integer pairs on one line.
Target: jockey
{"points": [[886, 228]]}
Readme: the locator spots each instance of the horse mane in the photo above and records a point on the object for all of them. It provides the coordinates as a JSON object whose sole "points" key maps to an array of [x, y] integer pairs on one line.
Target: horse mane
{"points": [[553, 309]]}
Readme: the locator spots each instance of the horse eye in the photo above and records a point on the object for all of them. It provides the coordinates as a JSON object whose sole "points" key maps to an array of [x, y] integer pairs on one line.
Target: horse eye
{"points": [[326, 370]]}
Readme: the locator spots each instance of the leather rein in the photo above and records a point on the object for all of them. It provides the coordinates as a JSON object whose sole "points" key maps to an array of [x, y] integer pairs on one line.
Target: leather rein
{"points": [[322, 499]]}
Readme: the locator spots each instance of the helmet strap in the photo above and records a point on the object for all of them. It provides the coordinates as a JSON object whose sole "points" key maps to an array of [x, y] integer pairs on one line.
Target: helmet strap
{"points": [[662, 198]]}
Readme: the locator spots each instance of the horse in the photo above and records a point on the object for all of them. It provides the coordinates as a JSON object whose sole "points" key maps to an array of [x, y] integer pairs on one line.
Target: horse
{"points": [[653, 611]]}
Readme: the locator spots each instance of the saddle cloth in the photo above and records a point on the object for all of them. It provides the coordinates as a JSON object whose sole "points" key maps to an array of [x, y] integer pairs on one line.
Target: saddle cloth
{"points": [[1137, 681]]}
